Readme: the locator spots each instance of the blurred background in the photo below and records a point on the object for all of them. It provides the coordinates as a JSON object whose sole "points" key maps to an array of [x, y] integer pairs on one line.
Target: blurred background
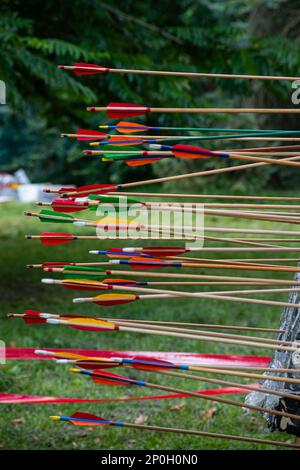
{"points": [[236, 36]]}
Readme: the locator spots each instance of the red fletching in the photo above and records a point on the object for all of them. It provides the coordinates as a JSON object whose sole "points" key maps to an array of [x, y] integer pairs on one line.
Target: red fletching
{"points": [[32, 316], [68, 205], [65, 190], [54, 238], [117, 253], [81, 68], [81, 284], [53, 264], [93, 189], [164, 251], [88, 416], [109, 300], [190, 151], [93, 135], [108, 378], [125, 127], [150, 363], [137, 110]]}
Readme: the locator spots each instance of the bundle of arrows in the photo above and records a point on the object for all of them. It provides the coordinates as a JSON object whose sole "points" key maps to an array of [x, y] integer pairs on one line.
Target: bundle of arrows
{"points": [[262, 274]]}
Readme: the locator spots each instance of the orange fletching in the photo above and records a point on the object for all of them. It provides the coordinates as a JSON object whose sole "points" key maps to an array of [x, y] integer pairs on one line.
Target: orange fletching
{"points": [[125, 127], [142, 161], [123, 140], [109, 300]]}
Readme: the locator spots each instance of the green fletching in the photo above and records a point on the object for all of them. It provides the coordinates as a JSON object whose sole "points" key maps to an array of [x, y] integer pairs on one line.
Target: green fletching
{"points": [[83, 272], [120, 148], [118, 156], [56, 217], [85, 277], [79, 269], [106, 199]]}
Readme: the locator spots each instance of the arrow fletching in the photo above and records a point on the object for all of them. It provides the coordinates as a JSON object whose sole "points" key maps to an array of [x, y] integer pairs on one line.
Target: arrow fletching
{"points": [[107, 199], [91, 324], [108, 378], [33, 316], [109, 300], [82, 284], [97, 363], [125, 127], [190, 151], [123, 282], [56, 264], [90, 189], [143, 161], [149, 364], [82, 68], [92, 135], [123, 110], [85, 419], [141, 263], [164, 251], [68, 205], [55, 217], [122, 140], [54, 238], [80, 272]]}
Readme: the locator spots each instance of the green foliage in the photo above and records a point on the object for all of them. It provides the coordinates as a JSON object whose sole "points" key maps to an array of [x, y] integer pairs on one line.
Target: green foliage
{"points": [[214, 36]]}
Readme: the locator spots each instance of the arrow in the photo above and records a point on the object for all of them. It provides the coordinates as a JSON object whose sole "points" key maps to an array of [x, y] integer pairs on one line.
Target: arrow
{"points": [[100, 275], [112, 300], [108, 223], [175, 251], [183, 294], [204, 362], [125, 127], [82, 68], [108, 188], [189, 151], [87, 419], [115, 140], [107, 378], [116, 224], [92, 202], [125, 110], [67, 206], [142, 263], [59, 238], [52, 216], [231, 361], [209, 196], [100, 325], [35, 314], [86, 190]]}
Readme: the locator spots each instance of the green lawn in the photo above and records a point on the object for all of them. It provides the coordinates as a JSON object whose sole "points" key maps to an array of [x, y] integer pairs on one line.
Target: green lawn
{"points": [[28, 426]]}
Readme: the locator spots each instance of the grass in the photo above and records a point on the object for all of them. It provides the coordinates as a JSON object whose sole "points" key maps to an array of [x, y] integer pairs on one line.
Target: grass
{"points": [[28, 426]]}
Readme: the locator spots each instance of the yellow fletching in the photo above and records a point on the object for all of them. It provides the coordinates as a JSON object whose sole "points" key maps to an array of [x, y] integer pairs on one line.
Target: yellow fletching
{"points": [[92, 322]]}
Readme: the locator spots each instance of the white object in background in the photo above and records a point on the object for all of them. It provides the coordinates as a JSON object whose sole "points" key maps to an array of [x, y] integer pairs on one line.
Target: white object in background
{"points": [[28, 192], [21, 176]]}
